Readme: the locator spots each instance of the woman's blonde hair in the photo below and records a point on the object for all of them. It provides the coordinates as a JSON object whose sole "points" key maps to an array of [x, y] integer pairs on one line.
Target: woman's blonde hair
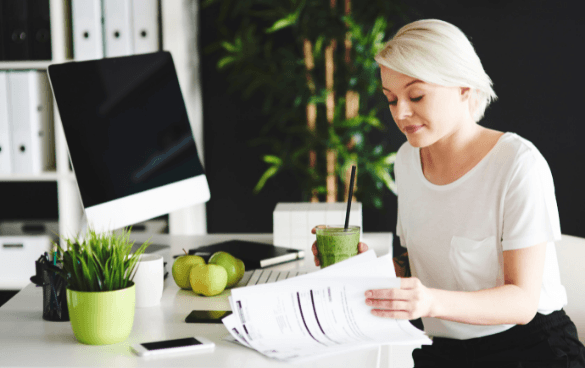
{"points": [[438, 52]]}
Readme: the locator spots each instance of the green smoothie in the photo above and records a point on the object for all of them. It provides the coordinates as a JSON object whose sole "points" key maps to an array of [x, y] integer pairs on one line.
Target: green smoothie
{"points": [[336, 244]]}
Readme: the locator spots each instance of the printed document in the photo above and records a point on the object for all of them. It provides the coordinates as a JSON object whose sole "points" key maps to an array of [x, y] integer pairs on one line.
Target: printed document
{"points": [[320, 313]]}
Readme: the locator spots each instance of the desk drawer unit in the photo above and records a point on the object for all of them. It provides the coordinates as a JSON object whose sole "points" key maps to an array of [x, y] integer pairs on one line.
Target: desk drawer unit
{"points": [[17, 259]]}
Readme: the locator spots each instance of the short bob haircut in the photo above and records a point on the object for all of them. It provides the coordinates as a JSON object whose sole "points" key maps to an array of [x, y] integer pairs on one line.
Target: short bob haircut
{"points": [[438, 52]]}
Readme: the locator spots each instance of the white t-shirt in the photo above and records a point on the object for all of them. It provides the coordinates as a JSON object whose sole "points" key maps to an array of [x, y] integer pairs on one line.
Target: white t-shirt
{"points": [[455, 234]]}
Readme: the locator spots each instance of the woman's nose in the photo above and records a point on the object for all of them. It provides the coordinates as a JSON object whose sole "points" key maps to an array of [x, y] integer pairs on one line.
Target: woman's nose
{"points": [[403, 110]]}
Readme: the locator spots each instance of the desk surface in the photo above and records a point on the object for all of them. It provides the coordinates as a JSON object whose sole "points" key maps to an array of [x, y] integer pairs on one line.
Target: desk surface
{"points": [[26, 340]]}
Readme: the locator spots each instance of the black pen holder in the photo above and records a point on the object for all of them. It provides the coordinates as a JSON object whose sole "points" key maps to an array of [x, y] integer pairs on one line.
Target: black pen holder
{"points": [[54, 294]]}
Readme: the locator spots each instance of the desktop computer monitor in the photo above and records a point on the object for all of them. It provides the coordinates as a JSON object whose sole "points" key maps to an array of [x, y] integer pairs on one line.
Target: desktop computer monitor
{"points": [[129, 138]]}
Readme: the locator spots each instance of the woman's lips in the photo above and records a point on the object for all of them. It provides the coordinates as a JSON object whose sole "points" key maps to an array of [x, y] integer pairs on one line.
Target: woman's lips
{"points": [[412, 128]]}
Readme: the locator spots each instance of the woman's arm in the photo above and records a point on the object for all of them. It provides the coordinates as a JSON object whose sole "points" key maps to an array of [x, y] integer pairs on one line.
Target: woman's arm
{"points": [[515, 302]]}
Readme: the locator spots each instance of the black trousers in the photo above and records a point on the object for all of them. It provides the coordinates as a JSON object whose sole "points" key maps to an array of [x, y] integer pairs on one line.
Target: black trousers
{"points": [[547, 341]]}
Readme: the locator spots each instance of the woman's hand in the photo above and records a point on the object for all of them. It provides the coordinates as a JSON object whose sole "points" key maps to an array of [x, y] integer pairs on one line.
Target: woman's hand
{"points": [[413, 300], [362, 247]]}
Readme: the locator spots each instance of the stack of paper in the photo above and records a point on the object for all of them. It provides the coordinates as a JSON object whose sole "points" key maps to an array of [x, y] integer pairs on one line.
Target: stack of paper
{"points": [[320, 313]]}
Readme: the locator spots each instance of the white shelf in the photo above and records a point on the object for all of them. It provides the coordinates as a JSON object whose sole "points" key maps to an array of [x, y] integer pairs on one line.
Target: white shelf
{"points": [[70, 209], [30, 64], [46, 176], [179, 31], [25, 65]]}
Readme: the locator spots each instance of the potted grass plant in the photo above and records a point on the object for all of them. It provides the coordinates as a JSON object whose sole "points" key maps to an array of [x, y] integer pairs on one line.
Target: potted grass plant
{"points": [[99, 270]]}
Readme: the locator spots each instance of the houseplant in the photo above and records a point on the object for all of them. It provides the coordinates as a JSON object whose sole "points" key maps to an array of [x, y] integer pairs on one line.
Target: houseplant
{"points": [[99, 269], [261, 47]]}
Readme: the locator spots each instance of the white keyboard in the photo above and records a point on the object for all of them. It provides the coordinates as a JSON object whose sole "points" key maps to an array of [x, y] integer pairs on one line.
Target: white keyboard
{"points": [[263, 276]]}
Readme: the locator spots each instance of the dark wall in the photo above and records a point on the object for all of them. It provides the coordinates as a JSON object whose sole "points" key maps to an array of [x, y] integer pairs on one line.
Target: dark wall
{"points": [[532, 51]]}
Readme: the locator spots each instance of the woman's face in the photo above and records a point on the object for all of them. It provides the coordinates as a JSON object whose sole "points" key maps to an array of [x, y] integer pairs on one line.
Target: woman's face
{"points": [[426, 113]]}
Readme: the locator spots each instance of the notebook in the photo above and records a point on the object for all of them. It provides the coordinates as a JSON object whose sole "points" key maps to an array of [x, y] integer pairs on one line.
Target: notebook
{"points": [[253, 254]]}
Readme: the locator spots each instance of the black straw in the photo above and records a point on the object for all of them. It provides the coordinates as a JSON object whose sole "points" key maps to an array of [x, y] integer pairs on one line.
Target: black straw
{"points": [[351, 181]]}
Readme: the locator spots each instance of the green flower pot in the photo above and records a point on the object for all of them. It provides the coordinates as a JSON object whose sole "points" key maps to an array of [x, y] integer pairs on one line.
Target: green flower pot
{"points": [[103, 317]]}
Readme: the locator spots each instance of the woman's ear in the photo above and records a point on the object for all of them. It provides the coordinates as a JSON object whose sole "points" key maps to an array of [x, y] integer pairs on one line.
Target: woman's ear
{"points": [[465, 93]]}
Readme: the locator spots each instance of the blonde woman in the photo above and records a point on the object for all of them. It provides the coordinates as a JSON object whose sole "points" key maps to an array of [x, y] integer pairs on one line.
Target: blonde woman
{"points": [[477, 216]]}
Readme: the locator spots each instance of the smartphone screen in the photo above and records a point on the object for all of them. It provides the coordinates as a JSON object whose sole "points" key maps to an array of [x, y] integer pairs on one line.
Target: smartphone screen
{"points": [[206, 316], [169, 344]]}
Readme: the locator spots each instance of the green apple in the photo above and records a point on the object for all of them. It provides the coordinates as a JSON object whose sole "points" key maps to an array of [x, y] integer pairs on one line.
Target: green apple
{"points": [[230, 263], [181, 268], [241, 269], [208, 279]]}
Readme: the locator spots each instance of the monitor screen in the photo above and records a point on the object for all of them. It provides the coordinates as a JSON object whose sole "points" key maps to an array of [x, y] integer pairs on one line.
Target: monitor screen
{"points": [[129, 138]]}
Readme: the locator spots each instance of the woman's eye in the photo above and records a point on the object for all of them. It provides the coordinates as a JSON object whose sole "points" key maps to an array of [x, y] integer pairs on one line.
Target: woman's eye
{"points": [[415, 99]]}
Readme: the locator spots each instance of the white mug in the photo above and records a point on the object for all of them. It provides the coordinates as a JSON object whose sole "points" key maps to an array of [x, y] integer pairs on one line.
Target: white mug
{"points": [[149, 280]]}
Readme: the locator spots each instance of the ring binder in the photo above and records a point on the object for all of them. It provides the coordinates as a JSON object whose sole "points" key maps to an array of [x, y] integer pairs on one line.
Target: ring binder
{"points": [[5, 137], [118, 27], [29, 121], [39, 22], [15, 21], [144, 26], [88, 42]]}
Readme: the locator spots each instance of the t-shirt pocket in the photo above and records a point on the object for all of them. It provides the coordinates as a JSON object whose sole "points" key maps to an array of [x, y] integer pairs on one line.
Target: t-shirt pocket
{"points": [[474, 263]]}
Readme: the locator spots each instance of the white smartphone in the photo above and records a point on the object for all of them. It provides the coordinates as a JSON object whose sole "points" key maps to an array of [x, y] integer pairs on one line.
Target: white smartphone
{"points": [[184, 345]]}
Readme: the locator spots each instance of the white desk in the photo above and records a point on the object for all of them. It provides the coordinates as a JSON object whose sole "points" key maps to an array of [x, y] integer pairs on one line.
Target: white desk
{"points": [[26, 340]]}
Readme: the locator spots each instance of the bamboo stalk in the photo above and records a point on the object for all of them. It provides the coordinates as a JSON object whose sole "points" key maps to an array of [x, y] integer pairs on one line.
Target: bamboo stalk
{"points": [[331, 155], [330, 106], [352, 103], [311, 107]]}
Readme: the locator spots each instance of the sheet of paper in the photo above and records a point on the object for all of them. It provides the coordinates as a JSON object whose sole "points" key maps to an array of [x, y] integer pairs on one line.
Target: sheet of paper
{"points": [[320, 313], [301, 359], [362, 257], [305, 317], [234, 327], [363, 265]]}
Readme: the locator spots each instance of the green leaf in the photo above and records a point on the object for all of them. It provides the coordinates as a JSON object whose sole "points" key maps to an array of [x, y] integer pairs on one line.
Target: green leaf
{"points": [[229, 47], [271, 159], [390, 159], [321, 189], [384, 175], [267, 175], [317, 99], [350, 123], [222, 63], [374, 121], [290, 20], [378, 150], [108, 275], [318, 49], [378, 203]]}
